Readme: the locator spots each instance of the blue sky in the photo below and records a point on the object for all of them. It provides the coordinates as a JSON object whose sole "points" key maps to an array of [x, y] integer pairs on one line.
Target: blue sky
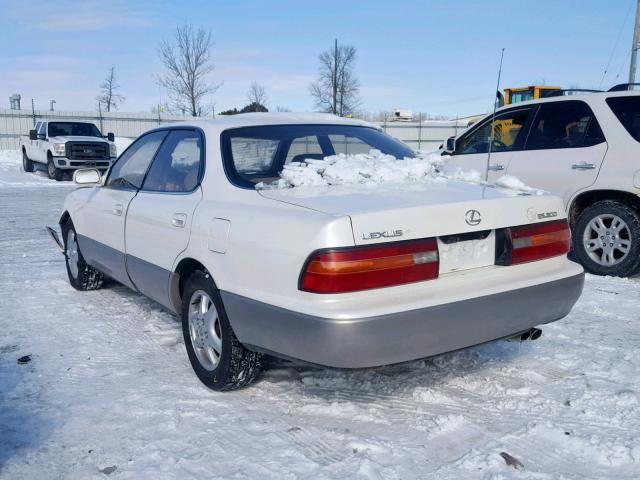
{"points": [[438, 57]]}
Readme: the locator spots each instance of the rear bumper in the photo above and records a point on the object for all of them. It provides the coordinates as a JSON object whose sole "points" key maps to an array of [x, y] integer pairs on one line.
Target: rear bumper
{"points": [[403, 336]]}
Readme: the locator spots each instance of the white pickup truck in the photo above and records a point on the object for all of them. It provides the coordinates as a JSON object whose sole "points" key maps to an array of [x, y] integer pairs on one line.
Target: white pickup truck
{"points": [[67, 145]]}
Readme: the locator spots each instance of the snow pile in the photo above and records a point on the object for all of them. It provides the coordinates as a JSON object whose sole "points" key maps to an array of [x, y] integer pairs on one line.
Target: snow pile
{"points": [[377, 168]]}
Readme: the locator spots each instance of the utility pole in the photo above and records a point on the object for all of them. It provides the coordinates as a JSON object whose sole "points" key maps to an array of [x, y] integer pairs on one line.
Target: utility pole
{"points": [[635, 45], [335, 76]]}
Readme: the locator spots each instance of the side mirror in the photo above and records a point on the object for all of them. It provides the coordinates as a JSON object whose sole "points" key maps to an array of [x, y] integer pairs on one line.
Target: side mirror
{"points": [[87, 176], [451, 145], [33, 135], [111, 137]]}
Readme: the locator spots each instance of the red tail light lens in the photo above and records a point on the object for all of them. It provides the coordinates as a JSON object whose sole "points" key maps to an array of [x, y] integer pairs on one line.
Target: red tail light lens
{"points": [[539, 241], [362, 268]]}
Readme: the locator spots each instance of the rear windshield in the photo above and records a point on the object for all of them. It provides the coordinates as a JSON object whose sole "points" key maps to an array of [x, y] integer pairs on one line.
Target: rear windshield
{"points": [[65, 129], [627, 109], [257, 154]]}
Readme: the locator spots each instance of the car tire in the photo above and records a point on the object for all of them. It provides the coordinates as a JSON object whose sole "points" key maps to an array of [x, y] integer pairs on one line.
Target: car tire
{"points": [[219, 360], [27, 164], [54, 172], [606, 239], [81, 275]]}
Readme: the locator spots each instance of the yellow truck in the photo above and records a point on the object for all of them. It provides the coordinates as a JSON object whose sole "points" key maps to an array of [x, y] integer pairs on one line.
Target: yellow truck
{"points": [[532, 92]]}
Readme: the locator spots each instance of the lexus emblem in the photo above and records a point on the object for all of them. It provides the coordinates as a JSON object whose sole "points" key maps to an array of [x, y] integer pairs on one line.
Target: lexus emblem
{"points": [[472, 217]]}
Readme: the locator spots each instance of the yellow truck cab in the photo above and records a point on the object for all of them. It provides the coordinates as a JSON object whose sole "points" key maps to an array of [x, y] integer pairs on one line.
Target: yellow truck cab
{"points": [[532, 92]]}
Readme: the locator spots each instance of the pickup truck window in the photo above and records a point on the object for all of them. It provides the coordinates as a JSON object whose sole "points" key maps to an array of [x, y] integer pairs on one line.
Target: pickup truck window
{"points": [[129, 170], [255, 154], [177, 165], [569, 124], [42, 129], [79, 129], [627, 109]]}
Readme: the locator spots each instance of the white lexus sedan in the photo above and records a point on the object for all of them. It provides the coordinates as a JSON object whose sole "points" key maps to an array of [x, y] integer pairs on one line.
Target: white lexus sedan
{"points": [[340, 276]]}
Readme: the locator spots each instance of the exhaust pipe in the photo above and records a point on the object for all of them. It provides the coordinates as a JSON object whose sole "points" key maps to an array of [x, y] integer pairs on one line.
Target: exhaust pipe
{"points": [[531, 334], [535, 333]]}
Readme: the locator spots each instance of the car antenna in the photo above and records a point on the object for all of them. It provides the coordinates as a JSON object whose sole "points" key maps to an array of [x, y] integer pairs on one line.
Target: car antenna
{"points": [[493, 117]]}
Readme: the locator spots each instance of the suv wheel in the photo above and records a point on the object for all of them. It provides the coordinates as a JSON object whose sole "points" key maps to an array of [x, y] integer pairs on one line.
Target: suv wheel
{"points": [[219, 360], [81, 275], [606, 239], [53, 172], [27, 164]]}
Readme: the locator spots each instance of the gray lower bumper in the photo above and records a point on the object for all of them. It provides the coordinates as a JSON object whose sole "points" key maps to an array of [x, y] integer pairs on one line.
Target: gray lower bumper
{"points": [[64, 163], [387, 339]]}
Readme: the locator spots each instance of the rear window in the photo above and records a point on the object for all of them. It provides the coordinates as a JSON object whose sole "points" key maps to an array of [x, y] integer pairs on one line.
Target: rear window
{"points": [[627, 109], [257, 154]]}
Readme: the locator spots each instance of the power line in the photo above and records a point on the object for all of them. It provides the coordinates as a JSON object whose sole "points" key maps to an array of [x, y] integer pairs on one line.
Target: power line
{"points": [[615, 46]]}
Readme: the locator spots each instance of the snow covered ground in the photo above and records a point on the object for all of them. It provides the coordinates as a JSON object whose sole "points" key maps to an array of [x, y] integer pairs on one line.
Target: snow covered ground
{"points": [[109, 389]]}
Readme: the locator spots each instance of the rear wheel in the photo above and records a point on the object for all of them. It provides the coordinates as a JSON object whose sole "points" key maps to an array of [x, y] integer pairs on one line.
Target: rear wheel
{"points": [[27, 164], [81, 275], [606, 239], [54, 172], [219, 360]]}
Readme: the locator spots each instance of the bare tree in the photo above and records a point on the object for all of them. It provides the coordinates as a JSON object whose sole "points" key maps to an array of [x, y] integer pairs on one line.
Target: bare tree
{"points": [[256, 96], [336, 89], [188, 65], [108, 95]]}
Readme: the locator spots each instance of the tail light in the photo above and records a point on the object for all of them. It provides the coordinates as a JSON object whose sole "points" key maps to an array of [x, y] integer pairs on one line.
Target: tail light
{"points": [[362, 268], [537, 242]]}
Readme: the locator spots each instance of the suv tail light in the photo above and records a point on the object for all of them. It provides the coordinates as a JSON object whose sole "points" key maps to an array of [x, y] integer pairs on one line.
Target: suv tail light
{"points": [[537, 242], [362, 268]]}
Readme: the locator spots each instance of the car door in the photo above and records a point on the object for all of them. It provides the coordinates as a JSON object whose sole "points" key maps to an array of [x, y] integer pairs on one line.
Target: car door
{"points": [[159, 217], [563, 151], [100, 223], [507, 132], [39, 151]]}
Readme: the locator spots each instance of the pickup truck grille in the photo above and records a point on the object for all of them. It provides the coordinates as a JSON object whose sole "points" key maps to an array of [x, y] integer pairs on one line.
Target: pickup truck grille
{"points": [[87, 151]]}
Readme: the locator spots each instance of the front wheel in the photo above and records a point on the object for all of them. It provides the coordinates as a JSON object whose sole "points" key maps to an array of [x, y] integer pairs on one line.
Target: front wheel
{"points": [[81, 275], [606, 239], [27, 164], [54, 172], [219, 360]]}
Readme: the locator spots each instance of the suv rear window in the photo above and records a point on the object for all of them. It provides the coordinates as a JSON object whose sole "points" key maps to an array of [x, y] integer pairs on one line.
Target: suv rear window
{"points": [[257, 154], [627, 109]]}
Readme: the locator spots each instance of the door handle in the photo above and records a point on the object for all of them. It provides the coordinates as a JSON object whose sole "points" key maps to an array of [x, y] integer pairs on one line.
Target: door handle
{"points": [[117, 209], [583, 166], [179, 220], [494, 167]]}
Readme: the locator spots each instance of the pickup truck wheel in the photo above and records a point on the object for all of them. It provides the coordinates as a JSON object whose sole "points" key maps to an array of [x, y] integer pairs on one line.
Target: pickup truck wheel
{"points": [[606, 239], [53, 172], [81, 276], [219, 360], [27, 164]]}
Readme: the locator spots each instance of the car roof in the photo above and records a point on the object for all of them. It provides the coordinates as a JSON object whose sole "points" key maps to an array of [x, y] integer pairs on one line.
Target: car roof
{"points": [[585, 96], [225, 122]]}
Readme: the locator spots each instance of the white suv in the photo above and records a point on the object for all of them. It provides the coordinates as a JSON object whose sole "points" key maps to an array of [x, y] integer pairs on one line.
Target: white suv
{"points": [[583, 148]]}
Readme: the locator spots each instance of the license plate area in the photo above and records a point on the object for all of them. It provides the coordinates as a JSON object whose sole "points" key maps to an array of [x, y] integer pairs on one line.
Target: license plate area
{"points": [[466, 251]]}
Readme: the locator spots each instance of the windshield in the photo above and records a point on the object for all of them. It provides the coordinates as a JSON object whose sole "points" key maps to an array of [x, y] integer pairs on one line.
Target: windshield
{"points": [[257, 154], [79, 129]]}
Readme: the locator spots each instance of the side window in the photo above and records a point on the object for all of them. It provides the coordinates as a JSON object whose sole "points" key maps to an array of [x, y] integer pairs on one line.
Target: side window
{"points": [[253, 155], [177, 165], [43, 129], [569, 124], [348, 145], [627, 110], [129, 170], [507, 134], [304, 147], [37, 127]]}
